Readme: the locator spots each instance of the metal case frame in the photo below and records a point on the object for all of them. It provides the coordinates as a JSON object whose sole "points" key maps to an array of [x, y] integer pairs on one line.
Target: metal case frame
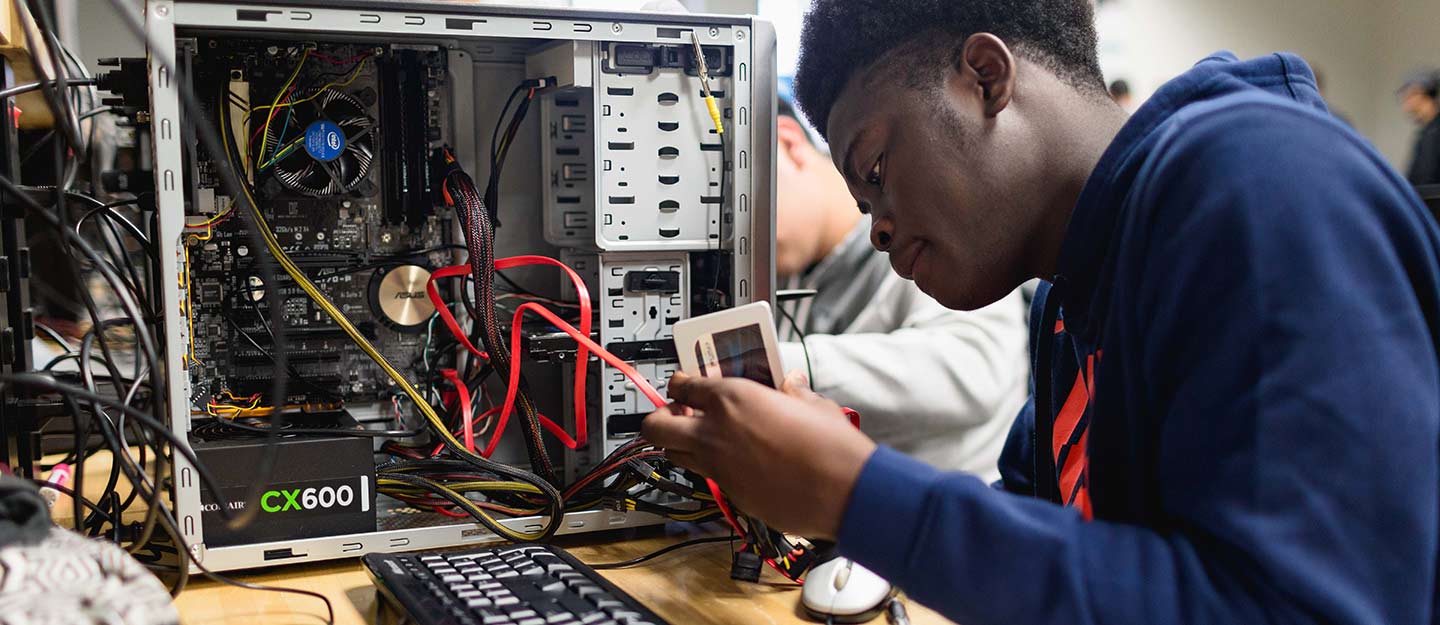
{"points": [[750, 237]]}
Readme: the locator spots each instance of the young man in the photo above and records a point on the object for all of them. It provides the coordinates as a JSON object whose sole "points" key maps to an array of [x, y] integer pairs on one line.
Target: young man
{"points": [[1237, 416], [1420, 99], [939, 385]]}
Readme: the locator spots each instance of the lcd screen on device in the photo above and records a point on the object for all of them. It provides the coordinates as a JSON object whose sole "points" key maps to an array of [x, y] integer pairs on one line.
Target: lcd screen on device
{"points": [[741, 353]]}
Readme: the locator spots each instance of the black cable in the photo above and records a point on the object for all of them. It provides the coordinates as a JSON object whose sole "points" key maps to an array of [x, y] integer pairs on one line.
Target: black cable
{"points": [[327, 432], [480, 237], [50, 134], [55, 336], [660, 552], [44, 382], [67, 491], [809, 370], [210, 140], [278, 401], [52, 88], [126, 299], [40, 84]]}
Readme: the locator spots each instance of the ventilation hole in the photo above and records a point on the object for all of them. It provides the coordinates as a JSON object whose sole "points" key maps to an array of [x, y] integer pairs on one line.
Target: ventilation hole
{"points": [[669, 153], [620, 91], [669, 233], [668, 99], [669, 180], [669, 126], [669, 206]]}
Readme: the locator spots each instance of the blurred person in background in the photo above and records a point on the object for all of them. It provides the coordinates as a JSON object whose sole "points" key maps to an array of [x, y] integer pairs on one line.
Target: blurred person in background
{"points": [[1420, 99], [1120, 93]]}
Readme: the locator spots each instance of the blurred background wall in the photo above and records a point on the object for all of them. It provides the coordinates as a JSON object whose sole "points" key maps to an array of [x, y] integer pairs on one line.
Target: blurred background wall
{"points": [[1362, 48]]}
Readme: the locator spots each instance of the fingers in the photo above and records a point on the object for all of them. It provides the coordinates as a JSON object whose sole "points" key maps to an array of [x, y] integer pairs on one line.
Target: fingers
{"points": [[797, 384], [695, 392], [669, 428]]}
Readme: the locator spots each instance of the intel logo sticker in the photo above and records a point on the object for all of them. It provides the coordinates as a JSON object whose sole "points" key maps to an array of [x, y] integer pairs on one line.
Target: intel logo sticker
{"points": [[324, 141]]}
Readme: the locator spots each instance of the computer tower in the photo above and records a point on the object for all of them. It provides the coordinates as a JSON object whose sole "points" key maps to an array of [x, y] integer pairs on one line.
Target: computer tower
{"points": [[617, 170]]}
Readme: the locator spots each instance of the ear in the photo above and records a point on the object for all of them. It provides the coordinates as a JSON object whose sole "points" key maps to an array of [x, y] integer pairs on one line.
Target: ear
{"points": [[794, 143], [987, 60]]}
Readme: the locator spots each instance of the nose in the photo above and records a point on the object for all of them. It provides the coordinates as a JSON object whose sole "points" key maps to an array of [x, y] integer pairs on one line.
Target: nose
{"points": [[881, 234]]}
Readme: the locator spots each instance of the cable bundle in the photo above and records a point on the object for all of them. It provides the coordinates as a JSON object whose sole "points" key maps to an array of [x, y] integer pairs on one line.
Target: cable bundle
{"points": [[480, 238]]}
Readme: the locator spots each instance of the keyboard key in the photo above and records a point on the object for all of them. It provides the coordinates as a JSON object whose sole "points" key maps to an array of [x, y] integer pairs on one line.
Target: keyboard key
{"points": [[605, 602], [522, 613], [592, 617], [452, 578], [506, 574], [586, 589], [506, 601], [552, 586], [493, 618], [532, 571], [479, 602], [559, 618], [531, 621]]}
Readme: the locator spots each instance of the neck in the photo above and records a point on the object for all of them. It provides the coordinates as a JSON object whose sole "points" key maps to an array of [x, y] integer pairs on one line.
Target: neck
{"points": [[1080, 131]]}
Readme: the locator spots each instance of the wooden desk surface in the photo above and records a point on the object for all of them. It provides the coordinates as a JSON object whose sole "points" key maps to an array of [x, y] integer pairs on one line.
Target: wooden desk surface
{"points": [[691, 586]]}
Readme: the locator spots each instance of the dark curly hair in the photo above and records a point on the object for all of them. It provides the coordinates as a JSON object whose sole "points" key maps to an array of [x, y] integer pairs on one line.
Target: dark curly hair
{"points": [[843, 37]]}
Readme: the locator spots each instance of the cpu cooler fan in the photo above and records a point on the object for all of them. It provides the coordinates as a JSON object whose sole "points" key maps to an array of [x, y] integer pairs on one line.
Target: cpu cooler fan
{"points": [[338, 147]]}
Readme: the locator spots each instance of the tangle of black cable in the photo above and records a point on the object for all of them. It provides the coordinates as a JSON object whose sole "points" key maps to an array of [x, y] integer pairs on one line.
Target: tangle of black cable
{"points": [[480, 236]]}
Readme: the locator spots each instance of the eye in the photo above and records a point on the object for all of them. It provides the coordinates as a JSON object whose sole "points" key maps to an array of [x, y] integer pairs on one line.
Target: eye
{"points": [[877, 171]]}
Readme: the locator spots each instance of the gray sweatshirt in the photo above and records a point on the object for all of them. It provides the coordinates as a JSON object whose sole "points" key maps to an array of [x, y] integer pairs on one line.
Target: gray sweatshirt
{"points": [[937, 384]]}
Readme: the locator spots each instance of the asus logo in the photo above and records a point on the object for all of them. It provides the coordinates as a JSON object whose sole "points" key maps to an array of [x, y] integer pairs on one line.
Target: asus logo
{"points": [[409, 294]]}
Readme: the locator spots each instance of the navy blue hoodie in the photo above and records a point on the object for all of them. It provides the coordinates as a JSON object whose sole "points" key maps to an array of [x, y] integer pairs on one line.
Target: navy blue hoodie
{"points": [[1239, 390]]}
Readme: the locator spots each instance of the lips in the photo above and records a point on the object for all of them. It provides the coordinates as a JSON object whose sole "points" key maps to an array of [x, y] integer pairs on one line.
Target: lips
{"points": [[904, 263]]}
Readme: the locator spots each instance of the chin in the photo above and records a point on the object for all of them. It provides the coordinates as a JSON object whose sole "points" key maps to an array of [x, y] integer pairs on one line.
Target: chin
{"points": [[957, 295]]}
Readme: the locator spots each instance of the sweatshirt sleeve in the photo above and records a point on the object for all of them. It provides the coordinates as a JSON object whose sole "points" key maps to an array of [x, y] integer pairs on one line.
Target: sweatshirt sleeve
{"points": [[940, 375], [1285, 355]]}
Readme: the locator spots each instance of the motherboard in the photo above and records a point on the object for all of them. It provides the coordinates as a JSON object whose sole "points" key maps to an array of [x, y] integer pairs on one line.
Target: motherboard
{"points": [[337, 141]]}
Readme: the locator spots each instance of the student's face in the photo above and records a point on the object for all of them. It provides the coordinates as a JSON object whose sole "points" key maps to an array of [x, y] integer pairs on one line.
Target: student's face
{"points": [[949, 189], [1418, 105]]}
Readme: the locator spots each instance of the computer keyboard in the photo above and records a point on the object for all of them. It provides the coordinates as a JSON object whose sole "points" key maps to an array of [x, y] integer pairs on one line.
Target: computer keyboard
{"points": [[510, 585]]}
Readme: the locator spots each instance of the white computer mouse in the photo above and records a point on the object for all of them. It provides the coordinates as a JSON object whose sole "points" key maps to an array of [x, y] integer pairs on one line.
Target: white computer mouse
{"points": [[841, 591]]}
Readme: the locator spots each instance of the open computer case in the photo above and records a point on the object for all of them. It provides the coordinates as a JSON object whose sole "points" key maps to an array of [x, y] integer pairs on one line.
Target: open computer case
{"points": [[617, 170]]}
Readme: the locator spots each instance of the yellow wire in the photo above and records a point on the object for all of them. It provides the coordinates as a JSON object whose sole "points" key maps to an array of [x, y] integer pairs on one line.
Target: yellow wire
{"points": [[185, 283], [212, 220], [334, 85], [266, 139], [426, 410], [265, 136]]}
